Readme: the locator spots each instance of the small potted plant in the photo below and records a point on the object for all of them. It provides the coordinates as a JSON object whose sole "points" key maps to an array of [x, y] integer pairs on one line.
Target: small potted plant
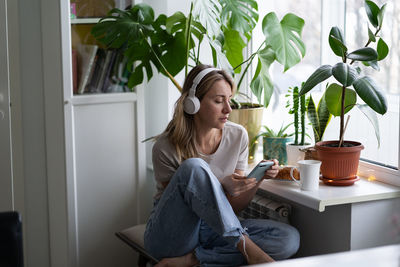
{"points": [[340, 157], [274, 143], [319, 118], [297, 107]]}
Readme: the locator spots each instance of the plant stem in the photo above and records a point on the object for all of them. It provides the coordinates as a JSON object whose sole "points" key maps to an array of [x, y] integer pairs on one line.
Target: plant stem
{"points": [[249, 60], [296, 114], [303, 118], [342, 114], [369, 41], [187, 32], [345, 127]]}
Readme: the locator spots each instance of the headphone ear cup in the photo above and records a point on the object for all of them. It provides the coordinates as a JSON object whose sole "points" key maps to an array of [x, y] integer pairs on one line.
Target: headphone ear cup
{"points": [[191, 105]]}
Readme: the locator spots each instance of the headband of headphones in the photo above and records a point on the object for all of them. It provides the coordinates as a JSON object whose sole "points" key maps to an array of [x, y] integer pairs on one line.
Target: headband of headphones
{"points": [[198, 79]]}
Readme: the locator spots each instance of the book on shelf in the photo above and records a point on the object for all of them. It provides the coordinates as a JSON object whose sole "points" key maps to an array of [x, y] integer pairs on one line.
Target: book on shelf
{"points": [[74, 71], [104, 70], [119, 75], [87, 55], [98, 65], [108, 73]]}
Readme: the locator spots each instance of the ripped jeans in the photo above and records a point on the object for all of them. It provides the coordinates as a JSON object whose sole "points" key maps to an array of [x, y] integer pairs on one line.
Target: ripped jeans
{"points": [[193, 214]]}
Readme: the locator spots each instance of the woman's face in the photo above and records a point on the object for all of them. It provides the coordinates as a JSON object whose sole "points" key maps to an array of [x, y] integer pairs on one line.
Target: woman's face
{"points": [[214, 107]]}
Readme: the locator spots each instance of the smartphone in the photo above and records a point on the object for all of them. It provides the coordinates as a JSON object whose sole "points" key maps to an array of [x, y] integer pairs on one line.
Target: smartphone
{"points": [[259, 170]]}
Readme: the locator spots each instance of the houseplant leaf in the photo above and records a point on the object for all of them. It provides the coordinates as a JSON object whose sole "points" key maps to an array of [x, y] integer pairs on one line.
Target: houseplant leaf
{"points": [[333, 98], [233, 47], [261, 80], [243, 14], [324, 116], [319, 75], [381, 14], [372, 12], [382, 49], [344, 73], [313, 118], [371, 35], [336, 42], [371, 94], [284, 37], [363, 54], [207, 12], [371, 115]]}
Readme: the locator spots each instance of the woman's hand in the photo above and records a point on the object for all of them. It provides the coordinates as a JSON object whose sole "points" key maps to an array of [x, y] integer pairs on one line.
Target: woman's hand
{"points": [[273, 171], [236, 184]]}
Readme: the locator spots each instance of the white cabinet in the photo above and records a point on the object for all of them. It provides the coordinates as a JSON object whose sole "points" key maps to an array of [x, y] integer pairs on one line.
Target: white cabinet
{"points": [[105, 163]]}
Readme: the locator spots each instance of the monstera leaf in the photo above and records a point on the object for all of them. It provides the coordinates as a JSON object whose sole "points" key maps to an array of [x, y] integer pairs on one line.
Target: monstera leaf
{"points": [[240, 15], [261, 82], [284, 37]]}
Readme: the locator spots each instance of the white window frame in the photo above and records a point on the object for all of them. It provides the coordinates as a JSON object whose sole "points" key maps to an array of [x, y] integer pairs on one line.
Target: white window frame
{"points": [[333, 14]]}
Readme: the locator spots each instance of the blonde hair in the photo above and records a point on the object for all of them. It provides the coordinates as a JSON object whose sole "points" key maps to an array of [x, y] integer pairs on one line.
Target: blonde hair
{"points": [[180, 130]]}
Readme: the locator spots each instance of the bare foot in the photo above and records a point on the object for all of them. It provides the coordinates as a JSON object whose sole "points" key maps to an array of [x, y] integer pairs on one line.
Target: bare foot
{"points": [[187, 260], [252, 252]]}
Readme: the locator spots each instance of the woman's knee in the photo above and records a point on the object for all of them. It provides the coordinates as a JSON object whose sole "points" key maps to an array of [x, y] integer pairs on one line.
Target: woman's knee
{"points": [[194, 167], [290, 242]]}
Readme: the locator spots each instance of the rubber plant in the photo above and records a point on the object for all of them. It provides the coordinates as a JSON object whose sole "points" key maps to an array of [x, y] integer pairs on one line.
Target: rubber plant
{"points": [[341, 96]]}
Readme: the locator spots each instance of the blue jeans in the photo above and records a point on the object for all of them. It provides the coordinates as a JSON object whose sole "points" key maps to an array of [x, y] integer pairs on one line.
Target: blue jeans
{"points": [[193, 214]]}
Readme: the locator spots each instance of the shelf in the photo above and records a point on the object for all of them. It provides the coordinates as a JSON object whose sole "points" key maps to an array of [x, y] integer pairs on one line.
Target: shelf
{"points": [[85, 20], [87, 99]]}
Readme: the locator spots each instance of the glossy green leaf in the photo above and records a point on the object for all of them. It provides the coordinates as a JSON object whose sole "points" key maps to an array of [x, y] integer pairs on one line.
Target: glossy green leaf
{"points": [[336, 42], [240, 15], [333, 98], [382, 49], [371, 35], [344, 73], [372, 12], [262, 83], [371, 94], [319, 117], [363, 54], [319, 75], [284, 37], [371, 115], [233, 47], [381, 14]]}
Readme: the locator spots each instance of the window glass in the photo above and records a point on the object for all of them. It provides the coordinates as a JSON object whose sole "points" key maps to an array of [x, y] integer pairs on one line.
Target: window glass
{"points": [[310, 11], [388, 78]]}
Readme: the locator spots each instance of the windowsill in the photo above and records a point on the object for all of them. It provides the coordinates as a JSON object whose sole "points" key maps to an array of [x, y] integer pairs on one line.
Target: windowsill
{"points": [[363, 190]]}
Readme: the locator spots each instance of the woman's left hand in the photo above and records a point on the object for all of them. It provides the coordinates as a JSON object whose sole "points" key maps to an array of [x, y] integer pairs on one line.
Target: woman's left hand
{"points": [[273, 171]]}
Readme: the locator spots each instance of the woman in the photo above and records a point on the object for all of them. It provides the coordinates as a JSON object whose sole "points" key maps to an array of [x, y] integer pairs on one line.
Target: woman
{"points": [[199, 163]]}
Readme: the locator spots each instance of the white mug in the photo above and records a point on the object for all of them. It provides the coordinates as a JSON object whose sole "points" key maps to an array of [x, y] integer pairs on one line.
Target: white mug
{"points": [[309, 174]]}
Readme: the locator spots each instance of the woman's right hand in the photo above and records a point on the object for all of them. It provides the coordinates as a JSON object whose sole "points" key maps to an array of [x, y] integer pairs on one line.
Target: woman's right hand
{"points": [[236, 184]]}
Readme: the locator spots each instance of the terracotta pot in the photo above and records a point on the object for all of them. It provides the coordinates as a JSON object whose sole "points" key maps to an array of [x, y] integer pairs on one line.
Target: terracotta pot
{"points": [[339, 163]]}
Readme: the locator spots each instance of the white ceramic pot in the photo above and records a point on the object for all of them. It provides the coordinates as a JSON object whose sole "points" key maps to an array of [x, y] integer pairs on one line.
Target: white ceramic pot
{"points": [[294, 153]]}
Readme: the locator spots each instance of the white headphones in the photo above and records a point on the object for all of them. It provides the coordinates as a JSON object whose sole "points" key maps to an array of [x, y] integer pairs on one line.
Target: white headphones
{"points": [[191, 105]]}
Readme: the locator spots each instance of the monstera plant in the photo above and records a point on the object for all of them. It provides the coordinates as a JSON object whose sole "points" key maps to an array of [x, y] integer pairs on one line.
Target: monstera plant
{"points": [[341, 96], [172, 43]]}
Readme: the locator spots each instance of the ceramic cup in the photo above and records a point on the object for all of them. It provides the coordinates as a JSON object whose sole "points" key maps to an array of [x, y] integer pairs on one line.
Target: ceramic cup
{"points": [[309, 174]]}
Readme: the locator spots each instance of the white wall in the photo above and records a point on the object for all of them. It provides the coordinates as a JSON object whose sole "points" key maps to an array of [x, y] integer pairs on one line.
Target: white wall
{"points": [[160, 96]]}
